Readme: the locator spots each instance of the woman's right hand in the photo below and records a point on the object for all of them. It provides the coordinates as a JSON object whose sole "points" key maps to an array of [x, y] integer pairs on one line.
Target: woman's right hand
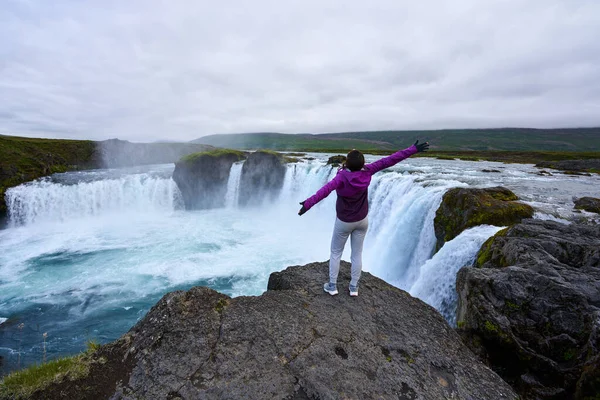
{"points": [[303, 209]]}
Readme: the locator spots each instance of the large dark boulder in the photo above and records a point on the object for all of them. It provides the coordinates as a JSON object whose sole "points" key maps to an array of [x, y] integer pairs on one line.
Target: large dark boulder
{"points": [[202, 177], [336, 161], [262, 177], [464, 208], [292, 342], [590, 204], [531, 308]]}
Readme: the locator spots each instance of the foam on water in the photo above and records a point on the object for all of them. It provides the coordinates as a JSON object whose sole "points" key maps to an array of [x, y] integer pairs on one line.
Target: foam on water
{"points": [[88, 253], [436, 281]]}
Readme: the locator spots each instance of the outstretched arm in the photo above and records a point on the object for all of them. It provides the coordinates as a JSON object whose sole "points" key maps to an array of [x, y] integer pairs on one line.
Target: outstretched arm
{"points": [[320, 195], [395, 158]]}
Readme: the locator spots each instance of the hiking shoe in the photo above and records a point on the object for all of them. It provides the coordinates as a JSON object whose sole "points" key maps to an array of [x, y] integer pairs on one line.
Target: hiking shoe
{"points": [[353, 291], [330, 288]]}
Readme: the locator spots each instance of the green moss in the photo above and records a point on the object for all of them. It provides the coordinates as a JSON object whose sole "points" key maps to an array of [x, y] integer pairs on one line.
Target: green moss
{"points": [[485, 252], [389, 358], [25, 159], [512, 306], [445, 158], [264, 151], [490, 327], [461, 324], [22, 384], [220, 306], [92, 346], [213, 153]]}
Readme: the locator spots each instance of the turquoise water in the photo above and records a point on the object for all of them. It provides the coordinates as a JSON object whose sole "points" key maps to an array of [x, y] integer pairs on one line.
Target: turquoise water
{"points": [[88, 253]]}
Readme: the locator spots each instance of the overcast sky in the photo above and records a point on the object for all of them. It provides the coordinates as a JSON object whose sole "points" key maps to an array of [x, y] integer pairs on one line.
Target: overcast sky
{"points": [[146, 70]]}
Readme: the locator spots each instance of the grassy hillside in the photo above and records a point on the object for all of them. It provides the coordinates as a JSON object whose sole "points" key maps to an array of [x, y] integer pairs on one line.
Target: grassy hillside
{"points": [[506, 139], [25, 159]]}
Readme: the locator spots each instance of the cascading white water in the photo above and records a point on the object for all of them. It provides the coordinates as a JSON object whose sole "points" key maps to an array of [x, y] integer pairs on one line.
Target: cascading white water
{"points": [[44, 200], [88, 253], [233, 185], [436, 281]]}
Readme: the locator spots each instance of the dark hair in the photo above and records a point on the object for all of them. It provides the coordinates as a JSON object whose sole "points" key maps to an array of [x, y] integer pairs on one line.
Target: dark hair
{"points": [[355, 160]]}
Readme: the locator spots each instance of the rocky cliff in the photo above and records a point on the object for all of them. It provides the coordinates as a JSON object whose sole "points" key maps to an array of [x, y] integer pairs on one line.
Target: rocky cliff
{"points": [[262, 177], [202, 177], [292, 342], [531, 308], [463, 208]]}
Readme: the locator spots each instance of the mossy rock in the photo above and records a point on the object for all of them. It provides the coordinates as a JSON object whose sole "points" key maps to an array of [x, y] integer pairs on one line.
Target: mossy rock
{"points": [[202, 177], [589, 204], [335, 161], [219, 153], [464, 208], [485, 252]]}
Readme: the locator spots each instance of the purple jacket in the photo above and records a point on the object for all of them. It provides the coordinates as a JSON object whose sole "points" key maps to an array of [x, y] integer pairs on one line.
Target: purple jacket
{"points": [[352, 187]]}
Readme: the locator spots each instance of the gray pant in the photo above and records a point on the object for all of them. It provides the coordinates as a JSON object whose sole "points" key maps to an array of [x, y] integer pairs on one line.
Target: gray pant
{"points": [[341, 231]]}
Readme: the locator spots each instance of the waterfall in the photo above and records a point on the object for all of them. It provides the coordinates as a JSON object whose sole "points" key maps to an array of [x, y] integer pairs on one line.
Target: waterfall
{"points": [[398, 247], [436, 281], [233, 185], [44, 200]]}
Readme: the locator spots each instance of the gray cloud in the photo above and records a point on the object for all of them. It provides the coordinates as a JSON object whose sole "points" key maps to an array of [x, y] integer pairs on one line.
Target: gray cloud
{"points": [[149, 69]]}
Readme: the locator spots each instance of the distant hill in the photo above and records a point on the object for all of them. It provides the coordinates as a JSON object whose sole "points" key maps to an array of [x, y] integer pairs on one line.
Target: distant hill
{"points": [[501, 139]]}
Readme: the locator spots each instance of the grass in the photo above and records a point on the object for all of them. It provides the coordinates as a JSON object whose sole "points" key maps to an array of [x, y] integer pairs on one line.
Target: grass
{"points": [[25, 159], [503, 139], [22, 384], [213, 153]]}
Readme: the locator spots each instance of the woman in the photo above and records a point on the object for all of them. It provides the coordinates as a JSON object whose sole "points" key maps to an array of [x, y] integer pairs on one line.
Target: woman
{"points": [[352, 206]]}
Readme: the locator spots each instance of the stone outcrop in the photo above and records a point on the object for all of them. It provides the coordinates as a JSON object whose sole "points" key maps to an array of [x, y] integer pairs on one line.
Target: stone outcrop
{"points": [[336, 161], [591, 165], [292, 342], [463, 208], [202, 177], [531, 308], [589, 204], [262, 178]]}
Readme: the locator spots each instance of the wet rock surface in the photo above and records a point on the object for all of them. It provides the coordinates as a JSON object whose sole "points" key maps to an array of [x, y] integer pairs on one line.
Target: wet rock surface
{"points": [[202, 178], [531, 309], [262, 178], [463, 208], [296, 342], [589, 204]]}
